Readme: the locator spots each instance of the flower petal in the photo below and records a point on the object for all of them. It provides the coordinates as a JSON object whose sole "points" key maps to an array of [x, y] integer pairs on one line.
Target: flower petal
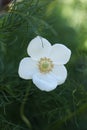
{"points": [[39, 47], [27, 68], [60, 73], [45, 82], [60, 54]]}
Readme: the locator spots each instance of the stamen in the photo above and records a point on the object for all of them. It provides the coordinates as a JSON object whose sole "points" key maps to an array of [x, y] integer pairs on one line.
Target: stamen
{"points": [[45, 65]]}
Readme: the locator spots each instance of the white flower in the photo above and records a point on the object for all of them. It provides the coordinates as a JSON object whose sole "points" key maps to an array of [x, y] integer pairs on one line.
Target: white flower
{"points": [[45, 66]]}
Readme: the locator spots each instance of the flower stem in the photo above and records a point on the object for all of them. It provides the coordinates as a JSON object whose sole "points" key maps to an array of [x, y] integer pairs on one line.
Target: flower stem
{"points": [[24, 118]]}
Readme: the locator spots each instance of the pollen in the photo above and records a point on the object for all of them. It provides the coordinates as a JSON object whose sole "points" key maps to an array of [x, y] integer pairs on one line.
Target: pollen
{"points": [[45, 65]]}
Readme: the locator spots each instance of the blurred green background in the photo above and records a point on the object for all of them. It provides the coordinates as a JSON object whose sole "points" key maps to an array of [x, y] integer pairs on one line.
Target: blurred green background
{"points": [[21, 102]]}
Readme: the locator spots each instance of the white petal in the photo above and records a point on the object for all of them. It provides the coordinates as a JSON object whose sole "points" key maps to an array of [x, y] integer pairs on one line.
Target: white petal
{"points": [[60, 73], [27, 68], [45, 82], [39, 47], [60, 54]]}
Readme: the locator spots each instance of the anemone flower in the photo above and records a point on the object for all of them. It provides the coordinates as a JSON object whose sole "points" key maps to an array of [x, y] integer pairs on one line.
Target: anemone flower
{"points": [[45, 64]]}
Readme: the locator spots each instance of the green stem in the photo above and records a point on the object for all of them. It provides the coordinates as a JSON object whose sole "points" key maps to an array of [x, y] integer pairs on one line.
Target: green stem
{"points": [[24, 118]]}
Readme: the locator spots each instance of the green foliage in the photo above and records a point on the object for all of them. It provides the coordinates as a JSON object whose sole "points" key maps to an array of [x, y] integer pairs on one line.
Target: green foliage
{"points": [[22, 105]]}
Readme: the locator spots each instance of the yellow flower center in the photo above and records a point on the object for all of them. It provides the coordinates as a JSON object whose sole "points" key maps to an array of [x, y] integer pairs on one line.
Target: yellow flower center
{"points": [[45, 65]]}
